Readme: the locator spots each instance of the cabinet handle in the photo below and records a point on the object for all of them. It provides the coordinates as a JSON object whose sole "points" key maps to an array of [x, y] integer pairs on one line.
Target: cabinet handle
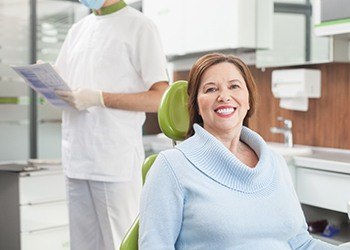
{"points": [[48, 201], [48, 229], [15, 122], [58, 121]]}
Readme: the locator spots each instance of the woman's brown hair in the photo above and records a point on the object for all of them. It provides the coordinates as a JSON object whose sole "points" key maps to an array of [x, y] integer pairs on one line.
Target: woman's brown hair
{"points": [[196, 73]]}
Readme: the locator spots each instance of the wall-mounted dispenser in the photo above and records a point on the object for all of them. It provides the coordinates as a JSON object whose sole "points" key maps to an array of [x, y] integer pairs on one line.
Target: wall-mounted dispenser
{"points": [[295, 86]]}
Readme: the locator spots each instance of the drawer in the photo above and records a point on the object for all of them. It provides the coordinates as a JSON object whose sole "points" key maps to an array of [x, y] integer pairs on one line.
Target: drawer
{"points": [[53, 239], [41, 188], [323, 189], [43, 216]]}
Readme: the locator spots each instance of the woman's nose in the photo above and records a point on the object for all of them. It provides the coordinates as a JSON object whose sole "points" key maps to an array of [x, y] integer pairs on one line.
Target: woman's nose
{"points": [[224, 97]]}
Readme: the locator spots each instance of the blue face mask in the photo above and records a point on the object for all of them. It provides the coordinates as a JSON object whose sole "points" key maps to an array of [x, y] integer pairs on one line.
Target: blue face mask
{"points": [[93, 4]]}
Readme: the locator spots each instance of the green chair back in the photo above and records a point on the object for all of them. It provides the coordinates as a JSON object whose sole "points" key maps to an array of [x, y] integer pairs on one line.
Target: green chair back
{"points": [[147, 165], [130, 241], [173, 120], [173, 117]]}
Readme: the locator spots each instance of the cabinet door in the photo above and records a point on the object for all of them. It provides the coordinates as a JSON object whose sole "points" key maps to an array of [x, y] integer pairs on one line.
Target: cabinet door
{"points": [[323, 189], [14, 50], [42, 188], [332, 17], [189, 27], [53, 239], [170, 19], [54, 18], [43, 216], [294, 41], [215, 26]]}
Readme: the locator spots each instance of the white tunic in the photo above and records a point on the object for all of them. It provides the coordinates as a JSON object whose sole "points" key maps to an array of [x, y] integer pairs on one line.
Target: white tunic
{"points": [[119, 52]]}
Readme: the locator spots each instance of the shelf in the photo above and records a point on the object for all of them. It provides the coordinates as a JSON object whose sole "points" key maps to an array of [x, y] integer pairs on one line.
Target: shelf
{"points": [[342, 237], [334, 27]]}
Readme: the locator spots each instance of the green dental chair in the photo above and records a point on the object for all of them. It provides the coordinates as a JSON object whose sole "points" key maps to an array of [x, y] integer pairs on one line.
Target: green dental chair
{"points": [[173, 120]]}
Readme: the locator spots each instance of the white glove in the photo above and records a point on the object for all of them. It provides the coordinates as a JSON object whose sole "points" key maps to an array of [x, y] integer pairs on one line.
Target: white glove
{"points": [[82, 99]]}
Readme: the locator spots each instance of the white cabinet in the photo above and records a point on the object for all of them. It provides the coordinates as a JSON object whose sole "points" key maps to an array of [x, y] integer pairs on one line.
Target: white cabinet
{"points": [[53, 18], [332, 17], [170, 20], [323, 179], [195, 26], [53, 239], [33, 210], [323, 189], [321, 176]]}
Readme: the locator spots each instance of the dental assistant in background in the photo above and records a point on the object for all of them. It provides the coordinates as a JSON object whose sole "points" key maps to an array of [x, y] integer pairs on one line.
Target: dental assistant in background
{"points": [[114, 63], [223, 187]]}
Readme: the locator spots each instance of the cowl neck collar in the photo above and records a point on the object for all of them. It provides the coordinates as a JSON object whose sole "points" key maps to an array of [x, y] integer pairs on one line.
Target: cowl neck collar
{"points": [[213, 159]]}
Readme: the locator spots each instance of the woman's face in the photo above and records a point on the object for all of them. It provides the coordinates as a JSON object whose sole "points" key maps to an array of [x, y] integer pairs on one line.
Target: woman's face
{"points": [[223, 98]]}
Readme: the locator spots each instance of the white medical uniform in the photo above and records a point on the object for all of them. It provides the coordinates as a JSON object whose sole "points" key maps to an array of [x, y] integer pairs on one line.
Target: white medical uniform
{"points": [[102, 149]]}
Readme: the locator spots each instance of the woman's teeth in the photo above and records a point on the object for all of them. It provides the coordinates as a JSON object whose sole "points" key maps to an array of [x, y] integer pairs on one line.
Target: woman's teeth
{"points": [[225, 111]]}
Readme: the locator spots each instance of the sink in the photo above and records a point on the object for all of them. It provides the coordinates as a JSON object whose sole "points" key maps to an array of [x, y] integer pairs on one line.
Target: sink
{"points": [[289, 152], [327, 159]]}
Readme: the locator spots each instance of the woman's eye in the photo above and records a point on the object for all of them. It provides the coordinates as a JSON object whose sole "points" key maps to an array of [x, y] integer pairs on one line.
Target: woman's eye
{"points": [[208, 90], [234, 86]]}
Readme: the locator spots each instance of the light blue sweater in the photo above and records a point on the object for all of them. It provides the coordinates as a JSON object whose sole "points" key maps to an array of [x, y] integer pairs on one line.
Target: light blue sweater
{"points": [[200, 196]]}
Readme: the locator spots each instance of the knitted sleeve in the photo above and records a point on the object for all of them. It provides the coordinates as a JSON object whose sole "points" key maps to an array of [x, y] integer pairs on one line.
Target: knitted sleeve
{"points": [[304, 241], [161, 208]]}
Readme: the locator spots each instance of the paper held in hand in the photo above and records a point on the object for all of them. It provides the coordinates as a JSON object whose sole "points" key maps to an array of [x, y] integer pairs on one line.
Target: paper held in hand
{"points": [[45, 80]]}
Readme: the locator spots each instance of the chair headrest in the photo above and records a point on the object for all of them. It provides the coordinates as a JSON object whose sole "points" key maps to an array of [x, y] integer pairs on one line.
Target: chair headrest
{"points": [[173, 117]]}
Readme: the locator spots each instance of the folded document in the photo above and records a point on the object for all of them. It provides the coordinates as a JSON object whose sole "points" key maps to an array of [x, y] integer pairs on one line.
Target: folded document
{"points": [[45, 80]]}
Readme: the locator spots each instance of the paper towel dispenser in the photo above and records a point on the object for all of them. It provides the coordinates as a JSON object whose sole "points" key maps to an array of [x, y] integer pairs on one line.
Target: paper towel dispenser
{"points": [[292, 83], [295, 86]]}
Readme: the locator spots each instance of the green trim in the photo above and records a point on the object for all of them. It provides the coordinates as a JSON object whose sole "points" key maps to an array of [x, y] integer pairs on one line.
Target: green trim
{"points": [[110, 9], [333, 22], [21, 100], [9, 100]]}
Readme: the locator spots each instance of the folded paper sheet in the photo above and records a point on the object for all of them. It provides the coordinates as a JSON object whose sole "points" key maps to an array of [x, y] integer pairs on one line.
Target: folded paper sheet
{"points": [[45, 80]]}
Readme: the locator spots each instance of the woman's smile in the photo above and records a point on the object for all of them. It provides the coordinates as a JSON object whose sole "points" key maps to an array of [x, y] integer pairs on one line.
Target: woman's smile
{"points": [[225, 111]]}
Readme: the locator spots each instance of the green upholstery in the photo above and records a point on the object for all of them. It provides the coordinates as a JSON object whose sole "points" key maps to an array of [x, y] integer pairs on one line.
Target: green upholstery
{"points": [[173, 120], [147, 165], [130, 240], [173, 115]]}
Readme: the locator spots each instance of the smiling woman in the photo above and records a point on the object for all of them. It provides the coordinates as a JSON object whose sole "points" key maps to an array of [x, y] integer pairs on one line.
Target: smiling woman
{"points": [[211, 70], [223, 98], [212, 183]]}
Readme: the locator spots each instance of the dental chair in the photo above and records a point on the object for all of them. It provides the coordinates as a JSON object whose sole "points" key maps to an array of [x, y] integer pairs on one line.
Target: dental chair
{"points": [[173, 120]]}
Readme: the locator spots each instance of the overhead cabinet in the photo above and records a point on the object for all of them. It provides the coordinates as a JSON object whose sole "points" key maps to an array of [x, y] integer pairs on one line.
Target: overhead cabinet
{"points": [[196, 26], [332, 17], [294, 40]]}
